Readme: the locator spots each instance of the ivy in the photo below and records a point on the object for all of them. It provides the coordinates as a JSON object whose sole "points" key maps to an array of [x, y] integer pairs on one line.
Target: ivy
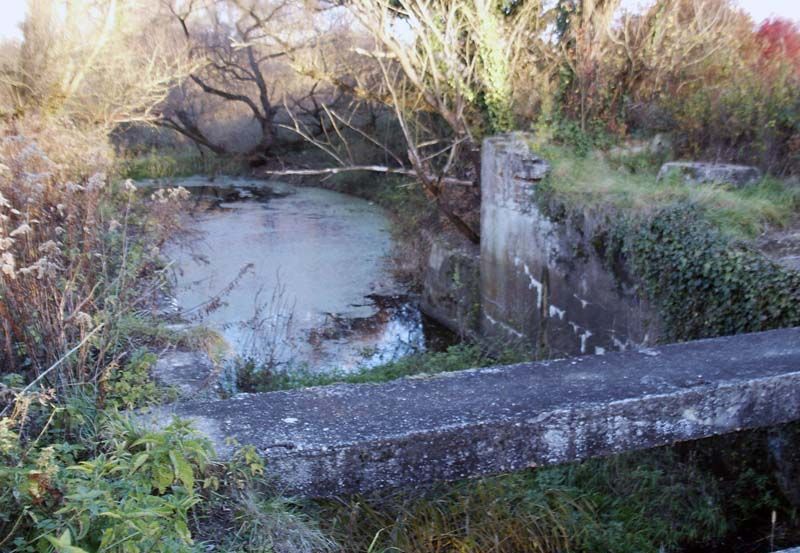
{"points": [[703, 284]]}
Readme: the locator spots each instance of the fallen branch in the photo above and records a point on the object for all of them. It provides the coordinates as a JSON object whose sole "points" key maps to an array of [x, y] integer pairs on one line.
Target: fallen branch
{"points": [[372, 168]]}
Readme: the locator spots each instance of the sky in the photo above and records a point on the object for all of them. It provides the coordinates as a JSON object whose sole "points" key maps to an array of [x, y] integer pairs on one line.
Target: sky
{"points": [[12, 12]]}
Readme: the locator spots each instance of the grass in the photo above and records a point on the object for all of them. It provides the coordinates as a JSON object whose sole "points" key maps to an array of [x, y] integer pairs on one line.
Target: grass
{"points": [[633, 503], [177, 163], [630, 185], [455, 358]]}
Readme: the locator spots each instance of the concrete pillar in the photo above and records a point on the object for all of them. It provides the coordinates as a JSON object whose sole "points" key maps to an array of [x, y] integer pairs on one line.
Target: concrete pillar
{"points": [[545, 281]]}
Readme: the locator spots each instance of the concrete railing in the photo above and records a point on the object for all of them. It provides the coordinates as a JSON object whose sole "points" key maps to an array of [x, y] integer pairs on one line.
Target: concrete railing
{"points": [[355, 438]]}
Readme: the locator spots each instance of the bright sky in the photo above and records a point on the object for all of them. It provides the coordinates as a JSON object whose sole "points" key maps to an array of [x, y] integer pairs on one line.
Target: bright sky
{"points": [[12, 12]]}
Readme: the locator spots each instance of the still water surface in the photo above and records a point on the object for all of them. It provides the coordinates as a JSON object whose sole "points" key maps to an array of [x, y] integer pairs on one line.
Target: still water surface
{"points": [[295, 276]]}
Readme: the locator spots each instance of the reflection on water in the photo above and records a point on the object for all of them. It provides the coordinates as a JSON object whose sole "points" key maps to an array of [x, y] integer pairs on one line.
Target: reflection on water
{"points": [[296, 277]]}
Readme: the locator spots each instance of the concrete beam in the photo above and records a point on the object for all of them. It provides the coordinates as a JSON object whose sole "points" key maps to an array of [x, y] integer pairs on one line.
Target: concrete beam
{"points": [[355, 438]]}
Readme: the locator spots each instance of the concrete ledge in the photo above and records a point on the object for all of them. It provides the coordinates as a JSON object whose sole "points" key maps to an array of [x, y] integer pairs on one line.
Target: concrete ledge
{"points": [[355, 438]]}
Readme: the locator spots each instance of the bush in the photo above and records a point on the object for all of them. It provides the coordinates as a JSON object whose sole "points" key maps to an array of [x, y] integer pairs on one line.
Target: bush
{"points": [[129, 492], [698, 69], [79, 252]]}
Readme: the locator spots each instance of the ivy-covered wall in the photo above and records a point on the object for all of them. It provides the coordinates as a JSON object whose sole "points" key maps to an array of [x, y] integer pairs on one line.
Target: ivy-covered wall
{"points": [[701, 282]]}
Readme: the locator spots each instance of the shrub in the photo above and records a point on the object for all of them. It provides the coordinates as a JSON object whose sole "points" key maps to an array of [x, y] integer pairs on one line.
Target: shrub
{"points": [[696, 68], [130, 492]]}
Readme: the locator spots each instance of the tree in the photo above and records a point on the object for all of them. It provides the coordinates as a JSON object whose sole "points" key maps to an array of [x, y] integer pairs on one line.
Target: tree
{"points": [[445, 70], [243, 48], [96, 63]]}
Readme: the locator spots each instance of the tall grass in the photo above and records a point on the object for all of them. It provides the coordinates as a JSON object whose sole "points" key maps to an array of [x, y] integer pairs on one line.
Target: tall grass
{"points": [[178, 163], [627, 504], [79, 252]]}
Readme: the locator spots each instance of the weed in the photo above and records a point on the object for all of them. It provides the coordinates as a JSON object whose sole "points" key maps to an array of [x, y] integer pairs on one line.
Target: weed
{"points": [[254, 378], [130, 491]]}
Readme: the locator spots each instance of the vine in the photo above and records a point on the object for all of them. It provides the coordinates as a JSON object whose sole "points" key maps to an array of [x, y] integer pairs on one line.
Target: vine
{"points": [[703, 284]]}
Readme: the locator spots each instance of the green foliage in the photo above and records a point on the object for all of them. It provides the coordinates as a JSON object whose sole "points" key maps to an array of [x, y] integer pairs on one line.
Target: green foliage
{"points": [[455, 358], [242, 512], [131, 386], [702, 284], [753, 118], [582, 183], [581, 141], [129, 493]]}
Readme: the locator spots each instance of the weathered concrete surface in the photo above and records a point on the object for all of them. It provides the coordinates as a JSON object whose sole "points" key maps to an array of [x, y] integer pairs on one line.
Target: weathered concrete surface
{"points": [[354, 438], [191, 373], [696, 172], [451, 284], [785, 457], [545, 282]]}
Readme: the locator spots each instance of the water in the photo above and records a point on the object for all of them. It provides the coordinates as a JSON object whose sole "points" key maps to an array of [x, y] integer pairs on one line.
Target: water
{"points": [[295, 277]]}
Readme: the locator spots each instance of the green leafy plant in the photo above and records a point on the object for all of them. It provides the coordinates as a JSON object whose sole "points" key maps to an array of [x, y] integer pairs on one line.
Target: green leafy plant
{"points": [[132, 385], [703, 284], [130, 492]]}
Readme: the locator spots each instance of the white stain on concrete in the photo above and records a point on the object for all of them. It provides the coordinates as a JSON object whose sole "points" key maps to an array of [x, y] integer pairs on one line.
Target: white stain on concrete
{"points": [[504, 326], [584, 303], [584, 337], [556, 312], [533, 284]]}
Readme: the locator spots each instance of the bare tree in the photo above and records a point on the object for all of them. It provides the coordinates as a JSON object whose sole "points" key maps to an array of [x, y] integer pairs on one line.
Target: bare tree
{"points": [[244, 48], [445, 70]]}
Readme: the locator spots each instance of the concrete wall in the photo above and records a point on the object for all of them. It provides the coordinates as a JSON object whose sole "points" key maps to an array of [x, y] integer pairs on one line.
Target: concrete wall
{"points": [[544, 281], [451, 284]]}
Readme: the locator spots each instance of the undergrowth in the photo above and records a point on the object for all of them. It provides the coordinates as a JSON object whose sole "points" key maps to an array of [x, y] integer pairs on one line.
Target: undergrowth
{"points": [[702, 284], [251, 378], [626, 504], [120, 488], [693, 496]]}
